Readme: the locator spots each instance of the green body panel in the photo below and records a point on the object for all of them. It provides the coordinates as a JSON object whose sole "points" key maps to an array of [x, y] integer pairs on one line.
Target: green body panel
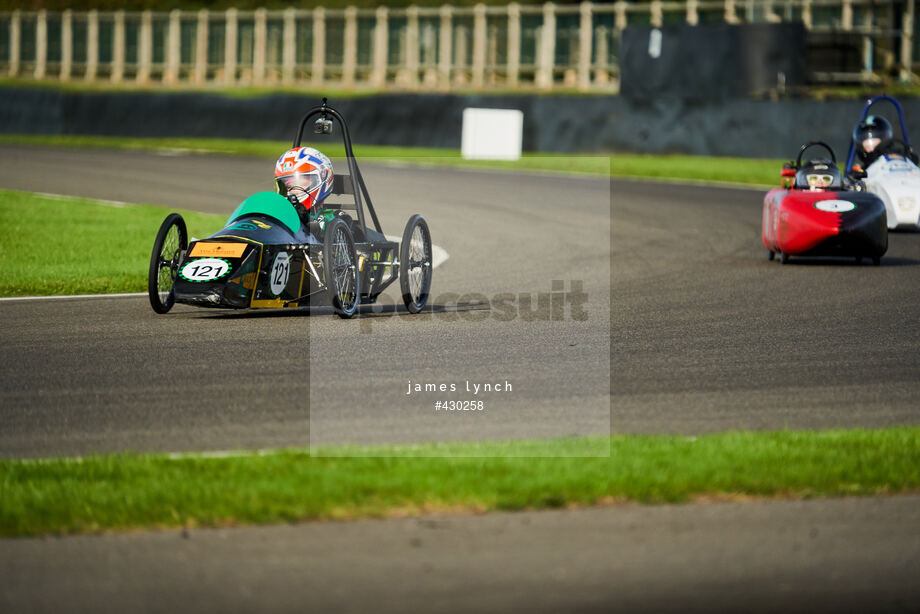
{"points": [[268, 203]]}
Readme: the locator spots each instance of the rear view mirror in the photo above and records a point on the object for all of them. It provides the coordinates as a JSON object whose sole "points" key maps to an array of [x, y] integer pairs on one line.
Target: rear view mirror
{"points": [[322, 126]]}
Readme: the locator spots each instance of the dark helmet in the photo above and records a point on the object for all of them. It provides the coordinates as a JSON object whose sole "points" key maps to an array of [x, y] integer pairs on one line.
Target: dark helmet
{"points": [[818, 175], [870, 129]]}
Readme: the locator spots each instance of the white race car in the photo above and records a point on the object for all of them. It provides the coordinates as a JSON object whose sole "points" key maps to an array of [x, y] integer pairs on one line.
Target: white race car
{"points": [[896, 180], [891, 170]]}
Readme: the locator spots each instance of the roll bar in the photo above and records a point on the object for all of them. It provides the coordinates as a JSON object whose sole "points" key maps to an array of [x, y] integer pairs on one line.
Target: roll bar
{"points": [[798, 160], [851, 154], [361, 194]]}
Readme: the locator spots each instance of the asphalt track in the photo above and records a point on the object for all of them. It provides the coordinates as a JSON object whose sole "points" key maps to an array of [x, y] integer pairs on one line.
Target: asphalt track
{"points": [[848, 555], [705, 334], [689, 330]]}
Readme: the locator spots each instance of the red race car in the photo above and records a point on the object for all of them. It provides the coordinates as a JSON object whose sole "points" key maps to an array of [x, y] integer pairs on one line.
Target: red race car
{"points": [[815, 214]]}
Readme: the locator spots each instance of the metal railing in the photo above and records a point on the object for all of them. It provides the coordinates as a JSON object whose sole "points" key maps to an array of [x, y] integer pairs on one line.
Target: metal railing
{"points": [[482, 47]]}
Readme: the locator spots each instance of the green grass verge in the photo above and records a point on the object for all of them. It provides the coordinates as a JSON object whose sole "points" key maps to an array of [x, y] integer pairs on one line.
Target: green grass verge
{"points": [[129, 491], [79, 246], [763, 172]]}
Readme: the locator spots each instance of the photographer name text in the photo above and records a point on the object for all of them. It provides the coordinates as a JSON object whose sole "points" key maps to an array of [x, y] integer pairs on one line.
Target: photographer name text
{"points": [[467, 386]]}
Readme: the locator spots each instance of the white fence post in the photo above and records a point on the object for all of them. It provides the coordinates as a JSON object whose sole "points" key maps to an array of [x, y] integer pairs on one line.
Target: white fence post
{"points": [[118, 48], [907, 41], [260, 36], [145, 48], [411, 69], [585, 32], [846, 15], [601, 74], [41, 44], [381, 42], [92, 45], [546, 50], [446, 47], [514, 44], [201, 46], [730, 14], [479, 45], [15, 41], [289, 52], [656, 15], [66, 44], [620, 20], [319, 46], [171, 74], [230, 46], [350, 59], [868, 45], [693, 15]]}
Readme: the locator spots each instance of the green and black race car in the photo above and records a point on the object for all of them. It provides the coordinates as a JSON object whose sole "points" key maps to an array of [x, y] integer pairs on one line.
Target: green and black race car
{"points": [[267, 256]]}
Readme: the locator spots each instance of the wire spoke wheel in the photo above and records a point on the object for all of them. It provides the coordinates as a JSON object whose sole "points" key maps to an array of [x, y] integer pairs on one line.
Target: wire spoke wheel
{"points": [[415, 264], [168, 249], [341, 269]]}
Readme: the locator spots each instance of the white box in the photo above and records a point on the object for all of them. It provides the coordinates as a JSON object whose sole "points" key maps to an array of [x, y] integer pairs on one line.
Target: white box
{"points": [[492, 134]]}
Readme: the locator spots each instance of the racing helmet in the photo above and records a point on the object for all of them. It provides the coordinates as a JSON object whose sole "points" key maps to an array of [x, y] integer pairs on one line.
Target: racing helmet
{"points": [[870, 132], [818, 175], [305, 174]]}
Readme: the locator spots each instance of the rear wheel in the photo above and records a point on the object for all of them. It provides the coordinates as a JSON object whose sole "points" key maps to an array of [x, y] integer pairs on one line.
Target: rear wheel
{"points": [[170, 244], [340, 264], [876, 260], [771, 255], [784, 258], [415, 264]]}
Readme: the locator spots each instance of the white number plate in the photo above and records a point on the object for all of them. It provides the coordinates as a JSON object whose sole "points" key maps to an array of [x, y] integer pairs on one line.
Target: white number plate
{"points": [[205, 269]]}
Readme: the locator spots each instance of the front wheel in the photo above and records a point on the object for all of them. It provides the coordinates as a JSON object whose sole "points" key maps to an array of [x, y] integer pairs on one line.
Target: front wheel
{"points": [[170, 244], [415, 264], [340, 264]]}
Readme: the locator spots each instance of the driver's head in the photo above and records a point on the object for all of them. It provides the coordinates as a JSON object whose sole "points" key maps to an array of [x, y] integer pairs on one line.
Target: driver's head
{"points": [[818, 175], [819, 181], [305, 174], [869, 133]]}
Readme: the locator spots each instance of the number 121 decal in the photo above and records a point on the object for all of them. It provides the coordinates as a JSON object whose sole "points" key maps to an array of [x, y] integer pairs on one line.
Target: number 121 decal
{"points": [[205, 269]]}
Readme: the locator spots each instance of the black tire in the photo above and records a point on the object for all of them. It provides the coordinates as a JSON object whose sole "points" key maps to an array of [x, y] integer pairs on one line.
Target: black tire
{"points": [[168, 249], [415, 264], [784, 258], [876, 260], [858, 260], [771, 255], [340, 268]]}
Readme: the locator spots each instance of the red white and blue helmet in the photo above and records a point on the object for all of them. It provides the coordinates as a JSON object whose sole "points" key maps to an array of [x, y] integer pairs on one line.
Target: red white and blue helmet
{"points": [[304, 173]]}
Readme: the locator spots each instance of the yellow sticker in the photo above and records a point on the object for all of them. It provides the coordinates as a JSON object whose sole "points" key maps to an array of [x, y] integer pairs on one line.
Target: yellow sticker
{"points": [[248, 281], [227, 250]]}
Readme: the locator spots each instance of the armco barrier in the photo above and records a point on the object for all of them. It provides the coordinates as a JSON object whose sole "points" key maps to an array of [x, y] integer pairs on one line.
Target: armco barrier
{"points": [[564, 124]]}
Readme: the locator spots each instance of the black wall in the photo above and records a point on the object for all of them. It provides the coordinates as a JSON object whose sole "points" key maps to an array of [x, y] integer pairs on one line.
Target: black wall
{"points": [[710, 62], [564, 124]]}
